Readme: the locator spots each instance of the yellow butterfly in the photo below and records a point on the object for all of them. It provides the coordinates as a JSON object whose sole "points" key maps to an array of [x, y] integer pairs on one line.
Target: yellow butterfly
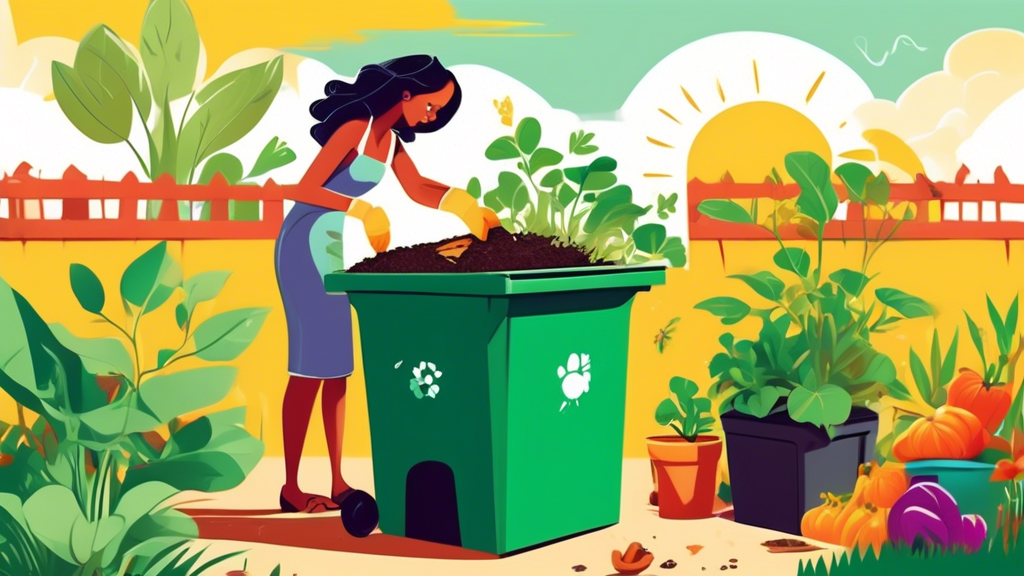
{"points": [[505, 110]]}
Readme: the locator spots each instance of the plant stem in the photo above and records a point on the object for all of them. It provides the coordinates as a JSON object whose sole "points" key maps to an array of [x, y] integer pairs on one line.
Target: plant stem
{"points": [[141, 161], [181, 124]]}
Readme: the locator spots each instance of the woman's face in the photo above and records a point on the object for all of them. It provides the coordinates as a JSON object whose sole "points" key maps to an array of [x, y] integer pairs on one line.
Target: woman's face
{"points": [[422, 109]]}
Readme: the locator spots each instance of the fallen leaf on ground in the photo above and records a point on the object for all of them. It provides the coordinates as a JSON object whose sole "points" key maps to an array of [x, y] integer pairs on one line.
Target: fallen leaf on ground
{"points": [[694, 549]]}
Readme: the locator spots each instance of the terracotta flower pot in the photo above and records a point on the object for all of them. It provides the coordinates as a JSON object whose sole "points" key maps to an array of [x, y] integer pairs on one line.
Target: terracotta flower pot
{"points": [[685, 475]]}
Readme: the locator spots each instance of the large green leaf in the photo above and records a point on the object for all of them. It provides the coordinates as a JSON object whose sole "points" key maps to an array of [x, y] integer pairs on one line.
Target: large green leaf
{"points": [[204, 287], [170, 48], [543, 158], [228, 165], [210, 454], [229, 107], [172, 395], [528, 135], [795, 260], [850, 280], [134, 504], [613, 208], [828, 405], [51, 514], [725, 210], [762, 402], [35, 369], [99, 355], [764, 283], [102, 113], [105, 426], [907, 305], [653, 240], [730, 310], [667, 413], [503, 148], [151, 279], [104, 55], [226, 335], [877, 188], [1002, 337], [855, 178], [87, 288], [818, 197]]}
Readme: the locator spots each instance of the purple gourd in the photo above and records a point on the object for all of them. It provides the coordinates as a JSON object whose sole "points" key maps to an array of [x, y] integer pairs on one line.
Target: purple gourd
{"points": [[928, 511]]}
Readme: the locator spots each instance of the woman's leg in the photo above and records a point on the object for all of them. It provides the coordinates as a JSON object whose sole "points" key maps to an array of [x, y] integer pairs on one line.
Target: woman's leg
{"points": [[299, 398], [333, 403]]}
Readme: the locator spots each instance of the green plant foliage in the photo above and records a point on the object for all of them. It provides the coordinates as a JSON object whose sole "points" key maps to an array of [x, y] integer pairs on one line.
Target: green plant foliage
{"points": [[87, 483], [582, 205], [107, 86], [689, 417], [813, 355]]}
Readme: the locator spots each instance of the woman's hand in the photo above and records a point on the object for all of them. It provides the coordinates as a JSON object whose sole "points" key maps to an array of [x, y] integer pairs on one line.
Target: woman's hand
{"points": [[375, 224], [478, 219]]}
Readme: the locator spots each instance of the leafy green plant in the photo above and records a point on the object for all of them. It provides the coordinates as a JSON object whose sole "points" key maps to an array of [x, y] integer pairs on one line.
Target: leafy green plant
{"points": [[274, 155], [813, 350], [1005, 329], [583, 205], [107, 86], [925, 397], [93, 481], [688, 418], [664, 335]]}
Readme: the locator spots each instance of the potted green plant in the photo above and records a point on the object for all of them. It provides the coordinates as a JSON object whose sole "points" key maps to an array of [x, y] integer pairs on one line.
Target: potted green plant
{"points": [[796, 397], [686, 463], [500, 390]]}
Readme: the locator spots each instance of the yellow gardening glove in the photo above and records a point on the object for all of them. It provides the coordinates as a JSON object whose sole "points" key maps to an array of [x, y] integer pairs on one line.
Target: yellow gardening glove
{"points": [[375, 224], [478, 219]]}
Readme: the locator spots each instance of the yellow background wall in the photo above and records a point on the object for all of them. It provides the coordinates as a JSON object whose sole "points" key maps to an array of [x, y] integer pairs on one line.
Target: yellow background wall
{"points": [[952, 275]]}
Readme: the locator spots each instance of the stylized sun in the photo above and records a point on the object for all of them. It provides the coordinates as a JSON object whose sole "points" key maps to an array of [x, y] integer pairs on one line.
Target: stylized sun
{"points": [[732, 106]]}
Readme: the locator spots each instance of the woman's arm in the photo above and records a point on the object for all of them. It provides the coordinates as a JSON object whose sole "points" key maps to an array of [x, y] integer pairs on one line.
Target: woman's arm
{"points": [[422, 190], [341, 145]]}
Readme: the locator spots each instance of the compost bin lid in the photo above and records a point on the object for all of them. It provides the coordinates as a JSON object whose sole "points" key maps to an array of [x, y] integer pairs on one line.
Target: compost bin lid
{"points": [[501, 283]]}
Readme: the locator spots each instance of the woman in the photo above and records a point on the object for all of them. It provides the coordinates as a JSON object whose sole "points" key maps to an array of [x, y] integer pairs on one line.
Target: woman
{"points": [[361, 130]]}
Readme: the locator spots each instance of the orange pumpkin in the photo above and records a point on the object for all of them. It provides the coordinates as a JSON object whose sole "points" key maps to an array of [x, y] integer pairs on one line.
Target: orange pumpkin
{"points": [[853, 525], [990, 403], [852, 506], [951, 433], [874, 533], [817, 523], [886, 484]]}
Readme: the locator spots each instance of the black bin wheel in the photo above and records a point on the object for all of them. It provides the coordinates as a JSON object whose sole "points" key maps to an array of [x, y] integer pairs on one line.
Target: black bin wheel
{"points": [[359, 514]]}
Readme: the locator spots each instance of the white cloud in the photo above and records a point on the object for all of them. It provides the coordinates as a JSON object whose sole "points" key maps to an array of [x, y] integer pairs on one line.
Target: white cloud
{"points": [[997, 142]]}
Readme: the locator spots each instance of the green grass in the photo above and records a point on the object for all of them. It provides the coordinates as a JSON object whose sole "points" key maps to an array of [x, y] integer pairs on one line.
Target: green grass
{"points": [[905, 562]]}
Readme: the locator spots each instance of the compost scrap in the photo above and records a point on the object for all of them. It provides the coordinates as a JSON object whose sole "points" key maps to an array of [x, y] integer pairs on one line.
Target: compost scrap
{"points": [[502, 252]]}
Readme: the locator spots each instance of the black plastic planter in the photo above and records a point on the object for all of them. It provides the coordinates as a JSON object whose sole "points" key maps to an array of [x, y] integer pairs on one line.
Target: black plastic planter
{"points": [[779, 468]]}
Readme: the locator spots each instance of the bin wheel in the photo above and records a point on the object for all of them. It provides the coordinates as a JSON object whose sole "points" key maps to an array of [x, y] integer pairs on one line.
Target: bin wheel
{"points": [[359, 514]]}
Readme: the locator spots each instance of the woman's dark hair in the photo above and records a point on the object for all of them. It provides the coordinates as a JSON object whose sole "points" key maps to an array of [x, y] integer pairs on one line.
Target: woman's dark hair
{"points": [[377, 89]]}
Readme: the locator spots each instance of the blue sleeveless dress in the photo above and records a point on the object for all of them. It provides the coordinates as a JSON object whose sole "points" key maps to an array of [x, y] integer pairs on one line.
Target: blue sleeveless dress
{"points": [[309, 247]]}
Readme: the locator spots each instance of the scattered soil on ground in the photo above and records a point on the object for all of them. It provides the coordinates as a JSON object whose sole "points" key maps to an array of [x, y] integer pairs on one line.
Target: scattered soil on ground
{"points": [[502, 252]]}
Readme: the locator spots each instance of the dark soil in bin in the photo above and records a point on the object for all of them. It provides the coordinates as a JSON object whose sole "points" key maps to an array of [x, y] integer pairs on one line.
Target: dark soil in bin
{"points": [[502, 252]]}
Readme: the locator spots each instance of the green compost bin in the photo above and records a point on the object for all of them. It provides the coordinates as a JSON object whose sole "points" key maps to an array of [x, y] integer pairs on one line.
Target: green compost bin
{"points": [[496, 400]]}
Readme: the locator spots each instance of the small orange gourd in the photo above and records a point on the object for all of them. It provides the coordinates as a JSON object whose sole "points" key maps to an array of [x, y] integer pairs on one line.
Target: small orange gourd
{"points": [[951, 433], [851, 528], [886, 484], [874, 533], [818, 522], [990, 403]]}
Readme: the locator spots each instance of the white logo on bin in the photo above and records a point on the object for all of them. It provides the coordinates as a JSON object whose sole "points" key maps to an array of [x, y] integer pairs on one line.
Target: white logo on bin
{"points": [[575, 377], [424, 381]]}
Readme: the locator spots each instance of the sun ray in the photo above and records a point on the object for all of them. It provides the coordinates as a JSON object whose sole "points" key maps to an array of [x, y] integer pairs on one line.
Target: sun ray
{"points": [[815, 87], [721, 93], [655, 175], [757, 80], [659, 143], [670, 116], [690, 99], [864, 155]]}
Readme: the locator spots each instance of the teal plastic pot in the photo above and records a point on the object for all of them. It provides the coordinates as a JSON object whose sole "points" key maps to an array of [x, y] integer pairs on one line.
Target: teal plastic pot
{"points": [[969, 483]]}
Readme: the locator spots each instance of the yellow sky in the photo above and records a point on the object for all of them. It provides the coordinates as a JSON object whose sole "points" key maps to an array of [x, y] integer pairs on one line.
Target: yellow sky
{"points": [[230, 26]]}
